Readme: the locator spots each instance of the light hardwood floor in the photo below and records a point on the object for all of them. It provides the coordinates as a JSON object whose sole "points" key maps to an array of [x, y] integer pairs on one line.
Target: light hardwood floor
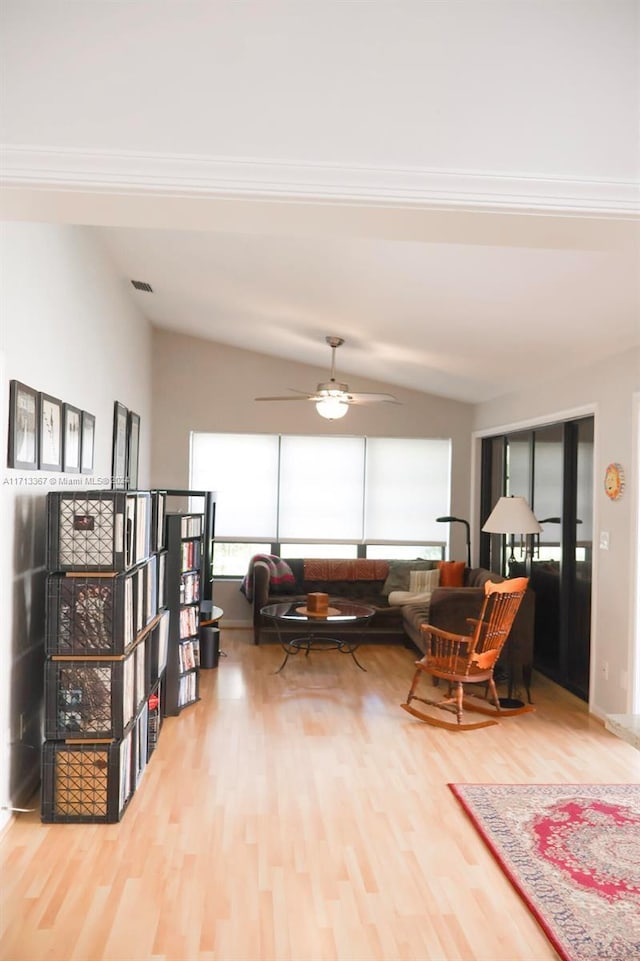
{"points": [[300, 817]]}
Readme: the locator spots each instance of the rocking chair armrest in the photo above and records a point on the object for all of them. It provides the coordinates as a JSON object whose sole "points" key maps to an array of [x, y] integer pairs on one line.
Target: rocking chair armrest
{"points": [[445, 635]]}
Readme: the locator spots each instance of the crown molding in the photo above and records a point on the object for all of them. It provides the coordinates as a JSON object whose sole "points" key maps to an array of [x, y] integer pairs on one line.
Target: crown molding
{"points": [[109, 172]]}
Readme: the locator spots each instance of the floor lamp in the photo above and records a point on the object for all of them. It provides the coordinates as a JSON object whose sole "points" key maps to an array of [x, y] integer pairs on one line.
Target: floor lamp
{"points": [[511, 515], [459, 520]]}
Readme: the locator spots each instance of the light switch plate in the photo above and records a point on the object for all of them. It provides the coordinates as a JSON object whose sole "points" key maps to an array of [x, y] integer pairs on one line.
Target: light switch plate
{"points": [[604, 540]]}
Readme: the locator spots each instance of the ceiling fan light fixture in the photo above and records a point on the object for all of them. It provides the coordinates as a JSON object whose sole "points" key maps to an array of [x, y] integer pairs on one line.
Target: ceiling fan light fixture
{"points": [[332, 405], [332, 398]]}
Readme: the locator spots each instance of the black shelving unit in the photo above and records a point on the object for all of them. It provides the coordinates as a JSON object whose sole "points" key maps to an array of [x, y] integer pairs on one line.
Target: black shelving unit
{"points": [[184, 540], [184, 501]]}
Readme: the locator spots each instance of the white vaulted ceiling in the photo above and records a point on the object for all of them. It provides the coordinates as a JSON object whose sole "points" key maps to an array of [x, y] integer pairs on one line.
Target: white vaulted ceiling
{"points": [[451, 187]]}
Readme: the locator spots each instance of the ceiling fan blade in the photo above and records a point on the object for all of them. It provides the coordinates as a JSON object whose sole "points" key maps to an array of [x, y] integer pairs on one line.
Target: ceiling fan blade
{"points": [[300, 396], [372, 399]]}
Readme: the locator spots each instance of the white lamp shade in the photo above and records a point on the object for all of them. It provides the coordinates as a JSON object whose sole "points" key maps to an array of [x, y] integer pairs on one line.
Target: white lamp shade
{"points": [[512, 515]]}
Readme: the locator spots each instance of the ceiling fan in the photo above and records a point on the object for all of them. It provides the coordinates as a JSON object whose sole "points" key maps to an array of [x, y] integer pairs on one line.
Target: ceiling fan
{"points": [[333, 399]]}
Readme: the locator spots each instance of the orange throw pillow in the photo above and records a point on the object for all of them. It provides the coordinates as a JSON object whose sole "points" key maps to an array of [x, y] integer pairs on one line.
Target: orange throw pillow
{"points": [[451, 573]]}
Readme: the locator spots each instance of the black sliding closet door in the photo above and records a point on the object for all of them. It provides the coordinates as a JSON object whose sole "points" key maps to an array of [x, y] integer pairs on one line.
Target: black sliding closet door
{"points": [[552, 467]]}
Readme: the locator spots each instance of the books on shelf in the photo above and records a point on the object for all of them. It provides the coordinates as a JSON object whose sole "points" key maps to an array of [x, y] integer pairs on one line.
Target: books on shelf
{"points": [[188, 621], [187, 689], [189, 587], [190, 555], [186, 656], [191, 526]]}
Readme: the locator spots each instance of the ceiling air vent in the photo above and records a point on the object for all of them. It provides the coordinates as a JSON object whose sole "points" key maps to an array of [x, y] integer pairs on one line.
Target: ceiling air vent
{"points": [[141, 285]]}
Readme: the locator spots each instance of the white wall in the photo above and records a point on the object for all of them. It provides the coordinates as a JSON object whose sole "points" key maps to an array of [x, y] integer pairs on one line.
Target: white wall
{"points": [[202, 386], [608, 390], [68, 329]]}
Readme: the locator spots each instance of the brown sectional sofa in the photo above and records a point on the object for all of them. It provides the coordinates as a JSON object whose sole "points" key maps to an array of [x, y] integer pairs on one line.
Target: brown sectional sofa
{"points": [[385, 625], [449, 609]]}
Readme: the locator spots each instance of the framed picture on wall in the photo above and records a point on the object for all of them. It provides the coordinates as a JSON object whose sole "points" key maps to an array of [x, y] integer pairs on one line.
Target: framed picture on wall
{"points": [[23, 426], [87, 447], [133, 449], [119, 452], [50, 433], [71, 422]]}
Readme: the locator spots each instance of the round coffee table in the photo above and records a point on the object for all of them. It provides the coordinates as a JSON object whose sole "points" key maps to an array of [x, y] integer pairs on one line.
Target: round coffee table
{"points": [[317, 628]]}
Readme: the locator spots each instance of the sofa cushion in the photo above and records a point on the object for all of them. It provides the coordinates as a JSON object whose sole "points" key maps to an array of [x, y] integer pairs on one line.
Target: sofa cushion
{"points": [[478, 577], [413, 616], [363, 592], [421, 582], [400, 572], [451, 573], [399, 598]]}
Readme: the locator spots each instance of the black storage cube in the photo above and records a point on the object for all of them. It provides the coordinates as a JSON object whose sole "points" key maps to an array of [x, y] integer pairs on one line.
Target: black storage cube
{"points": [[158, 647], [161, 568], [91, 699], [89, 615], [86, 783], [151, 589], [96, 530], [139, 600], [142, 519], [142, 673], [140, 745], [158, 510]]}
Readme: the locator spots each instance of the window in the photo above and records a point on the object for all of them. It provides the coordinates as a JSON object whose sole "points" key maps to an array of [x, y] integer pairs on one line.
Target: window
{"points": [[231, 559], [407, 487], [318, 549], [243, 470], [322, 496], [321, 488], [407, 552]]}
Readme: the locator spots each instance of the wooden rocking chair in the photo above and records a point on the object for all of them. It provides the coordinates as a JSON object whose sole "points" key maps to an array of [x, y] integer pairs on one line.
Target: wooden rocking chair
{"points": [[463, 659]]}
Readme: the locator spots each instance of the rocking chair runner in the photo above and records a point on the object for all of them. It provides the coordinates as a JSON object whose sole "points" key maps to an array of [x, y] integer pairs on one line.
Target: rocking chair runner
{"points": [[470, 658]]}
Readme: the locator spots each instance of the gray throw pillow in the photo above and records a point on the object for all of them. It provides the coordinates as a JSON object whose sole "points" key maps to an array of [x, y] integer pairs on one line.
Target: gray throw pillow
{"points": [[399, 571]]}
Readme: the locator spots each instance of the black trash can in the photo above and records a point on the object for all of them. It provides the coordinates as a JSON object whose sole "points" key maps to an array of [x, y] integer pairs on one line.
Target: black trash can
{"points": [[209, 646]]}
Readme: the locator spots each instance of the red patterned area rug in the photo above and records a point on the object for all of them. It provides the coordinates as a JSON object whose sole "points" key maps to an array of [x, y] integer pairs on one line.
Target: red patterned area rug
{"points": [[572, 851]]}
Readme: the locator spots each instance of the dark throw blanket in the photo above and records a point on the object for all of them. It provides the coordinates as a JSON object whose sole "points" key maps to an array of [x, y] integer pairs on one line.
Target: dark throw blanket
{"points": [[280, 575]]}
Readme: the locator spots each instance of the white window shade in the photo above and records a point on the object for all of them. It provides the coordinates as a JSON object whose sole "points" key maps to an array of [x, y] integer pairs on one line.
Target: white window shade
{"points": [[272, 489], [408, 486], [243, 470], [321, 488]]}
